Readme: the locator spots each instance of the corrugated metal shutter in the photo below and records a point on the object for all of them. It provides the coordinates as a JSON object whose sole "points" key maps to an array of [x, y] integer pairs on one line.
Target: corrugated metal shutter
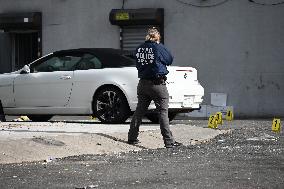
{"points": [[132, 36]]}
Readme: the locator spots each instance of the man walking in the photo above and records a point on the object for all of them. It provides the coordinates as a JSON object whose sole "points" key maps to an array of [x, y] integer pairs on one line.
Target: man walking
{"points": [[152, 59]]}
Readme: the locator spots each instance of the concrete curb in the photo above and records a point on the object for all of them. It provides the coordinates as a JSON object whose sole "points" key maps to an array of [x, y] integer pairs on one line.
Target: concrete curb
{"points": [[26, 142]]}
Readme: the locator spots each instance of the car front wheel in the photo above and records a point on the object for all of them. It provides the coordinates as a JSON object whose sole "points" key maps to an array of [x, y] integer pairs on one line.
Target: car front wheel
{"points": [[111, 106]]}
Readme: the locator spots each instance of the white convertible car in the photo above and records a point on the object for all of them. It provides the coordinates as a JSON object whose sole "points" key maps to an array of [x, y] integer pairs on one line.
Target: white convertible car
{"points": [[99, 82]]}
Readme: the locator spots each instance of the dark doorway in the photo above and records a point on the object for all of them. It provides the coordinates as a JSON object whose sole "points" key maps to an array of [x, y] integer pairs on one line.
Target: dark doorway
{"points": [[5, 53], [20, 38], [25, 48]]}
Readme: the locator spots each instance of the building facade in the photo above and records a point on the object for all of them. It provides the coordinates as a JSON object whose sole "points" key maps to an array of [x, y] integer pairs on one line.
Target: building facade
{"points": [[236, 45]]}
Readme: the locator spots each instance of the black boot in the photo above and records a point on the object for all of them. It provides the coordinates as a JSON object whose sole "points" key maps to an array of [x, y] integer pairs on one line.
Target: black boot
{"points": [[133, 142], [173, 145]]}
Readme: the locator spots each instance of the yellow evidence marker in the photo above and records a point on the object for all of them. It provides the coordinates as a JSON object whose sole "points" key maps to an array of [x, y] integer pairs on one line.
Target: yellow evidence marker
{"points": [[92, 117], [219, 118], [22, 118], [229, 115], [276, 125], [212, 122]]}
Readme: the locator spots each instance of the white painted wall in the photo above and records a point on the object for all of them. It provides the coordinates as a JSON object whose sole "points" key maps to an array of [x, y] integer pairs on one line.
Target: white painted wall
{"points": [[237, 47]]}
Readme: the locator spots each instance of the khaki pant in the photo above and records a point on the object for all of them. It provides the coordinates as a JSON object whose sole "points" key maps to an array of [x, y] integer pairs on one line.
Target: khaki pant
{"points": [[146, 92]]}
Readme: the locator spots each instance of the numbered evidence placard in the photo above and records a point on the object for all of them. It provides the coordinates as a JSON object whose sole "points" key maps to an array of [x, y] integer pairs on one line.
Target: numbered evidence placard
{"points": [[276, 125], [219, 118], [212, 122], [229, 115]]}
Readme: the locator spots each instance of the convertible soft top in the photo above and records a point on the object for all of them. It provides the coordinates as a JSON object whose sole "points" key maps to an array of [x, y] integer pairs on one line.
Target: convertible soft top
{"points": [[95, 51], [110, 57]]}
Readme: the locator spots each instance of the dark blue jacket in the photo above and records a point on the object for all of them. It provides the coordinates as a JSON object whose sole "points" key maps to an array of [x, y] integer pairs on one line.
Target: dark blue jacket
{"points": [[152, 60]]}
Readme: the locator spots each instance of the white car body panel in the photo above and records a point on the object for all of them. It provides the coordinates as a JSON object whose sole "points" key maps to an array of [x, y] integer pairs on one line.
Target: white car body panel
{"points": [[44, 89], [86, 82], [71, 92], [184, 89], [7, 96]]}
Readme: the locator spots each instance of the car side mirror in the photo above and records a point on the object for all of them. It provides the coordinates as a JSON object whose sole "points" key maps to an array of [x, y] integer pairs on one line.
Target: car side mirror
{"points": [[25, 70]]}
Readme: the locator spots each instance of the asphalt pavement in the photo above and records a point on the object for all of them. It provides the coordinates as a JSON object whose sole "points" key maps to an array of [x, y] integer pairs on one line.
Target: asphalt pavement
{"points": [[249, 156]]}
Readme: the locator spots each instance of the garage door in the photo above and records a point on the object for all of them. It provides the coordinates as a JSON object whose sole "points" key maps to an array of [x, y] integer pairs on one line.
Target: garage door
{"points": [[132, 36]]}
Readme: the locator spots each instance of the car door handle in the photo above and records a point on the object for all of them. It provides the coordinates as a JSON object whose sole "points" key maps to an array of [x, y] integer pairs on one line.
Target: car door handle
{"points": [[65, 77]]}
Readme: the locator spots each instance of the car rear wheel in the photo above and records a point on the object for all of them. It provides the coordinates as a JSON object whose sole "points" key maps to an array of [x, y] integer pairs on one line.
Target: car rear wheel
{"points": [[154, 118], [111, 106], [39, 117]]}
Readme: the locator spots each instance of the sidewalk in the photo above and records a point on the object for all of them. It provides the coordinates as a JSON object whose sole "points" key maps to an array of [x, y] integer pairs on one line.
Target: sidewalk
{"points": [[28, 141]]}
